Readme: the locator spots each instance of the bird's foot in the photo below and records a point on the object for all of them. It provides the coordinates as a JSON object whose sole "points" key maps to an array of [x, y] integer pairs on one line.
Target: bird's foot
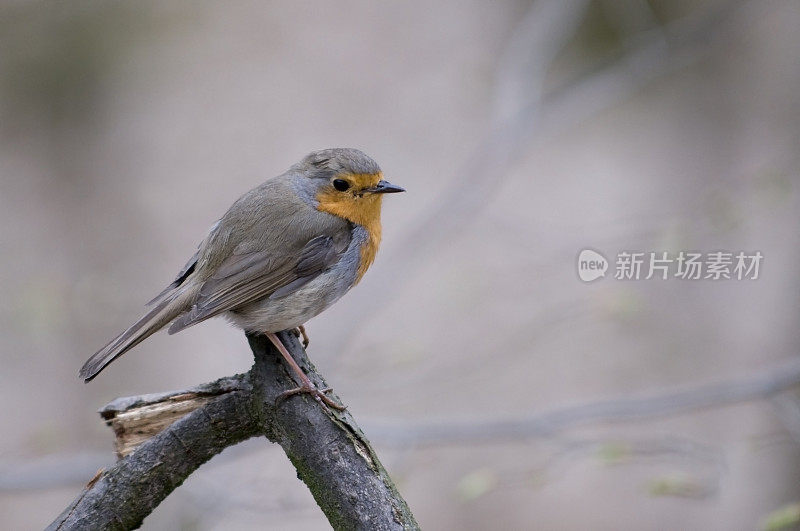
{"points": [[300, 331], [306, 385], [318, 394]]}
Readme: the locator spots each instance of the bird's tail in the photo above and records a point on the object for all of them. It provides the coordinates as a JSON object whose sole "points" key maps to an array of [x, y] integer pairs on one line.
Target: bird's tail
{"points": [[164, 311]]}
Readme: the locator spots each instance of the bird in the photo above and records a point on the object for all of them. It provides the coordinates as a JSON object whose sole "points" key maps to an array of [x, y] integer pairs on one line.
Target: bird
{"points": [[282, 253]]}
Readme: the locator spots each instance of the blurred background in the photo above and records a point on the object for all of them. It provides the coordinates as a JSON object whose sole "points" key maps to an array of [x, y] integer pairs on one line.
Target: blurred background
{"points": [[500, 391]]}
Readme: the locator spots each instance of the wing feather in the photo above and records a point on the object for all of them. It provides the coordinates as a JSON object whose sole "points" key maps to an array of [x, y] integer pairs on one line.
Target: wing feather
{"points": [[245, 278]]}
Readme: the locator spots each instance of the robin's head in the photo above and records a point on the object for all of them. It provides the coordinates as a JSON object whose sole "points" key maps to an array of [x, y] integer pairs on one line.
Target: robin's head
{"points": [[347, 183]]}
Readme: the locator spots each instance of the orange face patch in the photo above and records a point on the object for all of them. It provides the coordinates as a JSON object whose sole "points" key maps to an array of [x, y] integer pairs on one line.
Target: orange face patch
{"points": [[352, 204], [361, 181], [358, 208]]}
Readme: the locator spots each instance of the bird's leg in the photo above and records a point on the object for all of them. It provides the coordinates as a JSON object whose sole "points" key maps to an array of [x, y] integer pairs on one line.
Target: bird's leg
{"points": [[306, 385], [300, 331]]}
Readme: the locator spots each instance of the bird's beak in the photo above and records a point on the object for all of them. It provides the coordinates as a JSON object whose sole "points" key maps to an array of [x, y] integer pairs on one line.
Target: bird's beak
{"points": [[385, 187]]}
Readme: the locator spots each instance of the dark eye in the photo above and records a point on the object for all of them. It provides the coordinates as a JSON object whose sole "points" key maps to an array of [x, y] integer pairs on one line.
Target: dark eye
{"points": [[341, 184]]}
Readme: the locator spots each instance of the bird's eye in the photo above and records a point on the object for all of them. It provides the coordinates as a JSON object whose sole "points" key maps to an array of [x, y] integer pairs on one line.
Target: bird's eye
{"points": [[341, 184]]}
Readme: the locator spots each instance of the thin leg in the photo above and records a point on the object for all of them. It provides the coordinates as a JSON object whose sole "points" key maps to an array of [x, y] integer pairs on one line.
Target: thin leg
{"points": [[306, 385], [300, 331]]}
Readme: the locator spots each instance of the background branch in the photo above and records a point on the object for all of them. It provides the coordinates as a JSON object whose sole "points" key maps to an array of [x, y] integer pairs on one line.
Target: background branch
{"points": [[127, 415], [524, 113], [331, 454], [765, 385]]}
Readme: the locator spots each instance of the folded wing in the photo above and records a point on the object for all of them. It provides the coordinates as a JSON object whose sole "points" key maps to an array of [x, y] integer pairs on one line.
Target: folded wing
{"points": [[245, 278]]}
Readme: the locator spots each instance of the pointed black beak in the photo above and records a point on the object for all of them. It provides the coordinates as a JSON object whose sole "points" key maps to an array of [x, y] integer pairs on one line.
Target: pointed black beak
{"points": [[385, 187]]}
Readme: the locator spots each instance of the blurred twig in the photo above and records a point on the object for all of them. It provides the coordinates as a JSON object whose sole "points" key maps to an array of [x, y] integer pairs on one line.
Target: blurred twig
{"points": [[534, 44], [788, 408], [515, 103], [685, 453], [658, 51], [755, 387], [764, 386], [632, 17]]}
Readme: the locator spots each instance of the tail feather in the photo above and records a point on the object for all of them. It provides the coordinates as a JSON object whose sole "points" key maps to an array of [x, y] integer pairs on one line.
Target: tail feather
{"points": [[159, 316]]}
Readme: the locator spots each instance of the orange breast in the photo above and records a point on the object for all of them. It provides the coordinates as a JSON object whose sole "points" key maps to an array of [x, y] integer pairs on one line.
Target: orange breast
{"points": [[362, 210], [369, 249]]}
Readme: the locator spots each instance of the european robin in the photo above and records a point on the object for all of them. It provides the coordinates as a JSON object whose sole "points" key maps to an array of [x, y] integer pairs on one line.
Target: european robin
{"points": [[280, 255]]}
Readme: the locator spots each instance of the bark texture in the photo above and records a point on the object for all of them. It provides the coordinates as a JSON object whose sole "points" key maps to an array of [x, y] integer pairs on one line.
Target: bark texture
{"points": [[161, 439]]}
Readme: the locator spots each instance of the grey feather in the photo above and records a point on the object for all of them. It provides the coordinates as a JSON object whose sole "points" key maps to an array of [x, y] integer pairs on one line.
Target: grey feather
{"points": [[243, 279], [184, 273], [270, 263], [155, 319]]}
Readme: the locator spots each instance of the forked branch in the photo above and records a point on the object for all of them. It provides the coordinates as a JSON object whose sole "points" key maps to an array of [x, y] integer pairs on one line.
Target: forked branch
{"points": [[162, 439]]}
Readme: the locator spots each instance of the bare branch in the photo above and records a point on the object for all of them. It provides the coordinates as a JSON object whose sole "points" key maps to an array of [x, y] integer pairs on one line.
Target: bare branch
{"points": [[331, 454], [121, 497], [757, 387], [137, 419], [658, 52], [771, 385]]}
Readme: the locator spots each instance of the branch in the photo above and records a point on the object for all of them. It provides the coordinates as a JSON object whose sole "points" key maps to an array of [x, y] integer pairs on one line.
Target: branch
{"points": [[163, 438], [772, 385], [765, 385], [540, 117], [122, 496], [332, 456], [137, 419]]}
